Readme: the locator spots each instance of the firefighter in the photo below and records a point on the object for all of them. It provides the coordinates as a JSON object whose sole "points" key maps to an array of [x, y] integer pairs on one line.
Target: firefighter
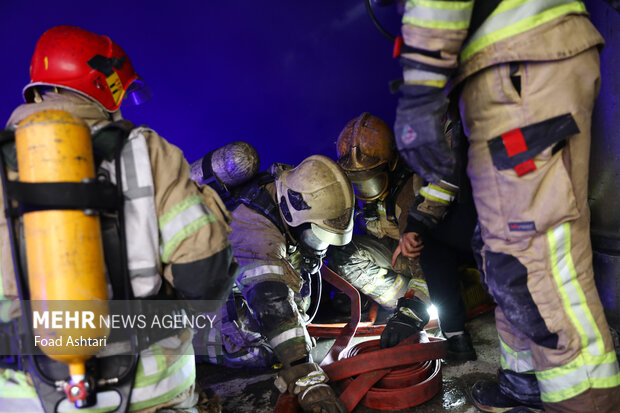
{"points": [[373, 262], [176, 233], [282, 225], [526, 75]]}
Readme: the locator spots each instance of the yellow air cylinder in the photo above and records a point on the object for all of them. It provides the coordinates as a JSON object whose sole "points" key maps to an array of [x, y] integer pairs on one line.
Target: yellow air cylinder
{"points": [[64, 248]]}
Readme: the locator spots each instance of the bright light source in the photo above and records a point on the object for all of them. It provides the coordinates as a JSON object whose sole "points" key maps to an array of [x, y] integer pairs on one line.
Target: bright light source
{"points": [[432, 311]]}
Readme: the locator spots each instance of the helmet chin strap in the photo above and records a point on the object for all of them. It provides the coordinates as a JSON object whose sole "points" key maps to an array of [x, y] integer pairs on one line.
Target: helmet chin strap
{"points": [[38, 96]]}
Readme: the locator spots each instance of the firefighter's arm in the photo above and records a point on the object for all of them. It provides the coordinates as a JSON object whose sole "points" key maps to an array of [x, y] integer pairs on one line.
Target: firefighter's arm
{"points": [[432, 33], [193, 225], [430, 206]]}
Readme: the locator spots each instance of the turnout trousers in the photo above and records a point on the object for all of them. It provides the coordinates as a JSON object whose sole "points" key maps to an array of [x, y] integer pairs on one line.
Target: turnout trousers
{"points": [[528, 167]]}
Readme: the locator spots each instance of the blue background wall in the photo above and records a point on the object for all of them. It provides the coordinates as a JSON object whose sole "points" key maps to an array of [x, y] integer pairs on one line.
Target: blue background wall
{"points": [[283, 75]]}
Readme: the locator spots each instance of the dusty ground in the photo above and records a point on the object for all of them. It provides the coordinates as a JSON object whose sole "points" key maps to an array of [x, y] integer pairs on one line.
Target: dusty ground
{"points": [[253, 391]]}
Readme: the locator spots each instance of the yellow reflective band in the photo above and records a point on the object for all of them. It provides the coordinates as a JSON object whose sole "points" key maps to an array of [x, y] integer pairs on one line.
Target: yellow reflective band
{"points": [[432, 83], [162, 398], [390, 293], [143, 380], [440, 189], [179, 208], [14, 385], [188, 230], [424, 77], [571, 293], [438, 14], [583, 373], [436, 199], [480, 40], [519, 361], [171, 382], [436, 24], [418, 284], [182, 220], [443, 5], [376, 280], [435, 195]]}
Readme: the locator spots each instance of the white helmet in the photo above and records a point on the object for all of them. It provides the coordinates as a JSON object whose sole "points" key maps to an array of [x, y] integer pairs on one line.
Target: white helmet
{"points": [[317, 192]]}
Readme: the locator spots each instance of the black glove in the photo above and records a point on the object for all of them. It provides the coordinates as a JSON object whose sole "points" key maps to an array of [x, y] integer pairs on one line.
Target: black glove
{"points": [[419, 131], [409, 317]]}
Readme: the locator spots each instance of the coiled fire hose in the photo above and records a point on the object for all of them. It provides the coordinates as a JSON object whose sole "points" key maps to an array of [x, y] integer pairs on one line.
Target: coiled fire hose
{"points": [[400, 377]]}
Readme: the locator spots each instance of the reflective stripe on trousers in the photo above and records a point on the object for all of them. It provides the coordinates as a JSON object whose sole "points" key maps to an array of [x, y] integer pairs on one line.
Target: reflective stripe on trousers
{"points": [[518, 361], [592, 368]]}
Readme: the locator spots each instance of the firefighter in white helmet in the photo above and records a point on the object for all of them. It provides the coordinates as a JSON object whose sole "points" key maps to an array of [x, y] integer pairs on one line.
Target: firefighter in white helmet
{"points": [[176, 234], [282, 224]]}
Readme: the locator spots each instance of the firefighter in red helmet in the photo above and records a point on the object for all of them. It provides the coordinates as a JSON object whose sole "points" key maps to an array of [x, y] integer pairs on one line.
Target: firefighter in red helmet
{"points": [[175, 234]]}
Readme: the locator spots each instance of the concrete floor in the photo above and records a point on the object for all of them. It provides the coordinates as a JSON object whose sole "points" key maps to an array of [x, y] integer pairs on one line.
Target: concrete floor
{"points": [[253, 391]]}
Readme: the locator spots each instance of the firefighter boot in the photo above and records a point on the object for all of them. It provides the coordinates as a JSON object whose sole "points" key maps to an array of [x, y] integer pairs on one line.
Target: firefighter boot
{"points": [[512, 391], [460, 348]]}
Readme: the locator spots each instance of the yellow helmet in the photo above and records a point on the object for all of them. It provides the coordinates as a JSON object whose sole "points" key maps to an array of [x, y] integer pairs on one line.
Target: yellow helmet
{"points": [[367, 152], [317, 192]]}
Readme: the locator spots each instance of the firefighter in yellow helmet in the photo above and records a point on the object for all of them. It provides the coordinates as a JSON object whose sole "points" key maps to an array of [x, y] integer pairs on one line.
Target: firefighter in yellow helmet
{"points": [[525, 75], [283, 222], [439, 234], [175, 233]]}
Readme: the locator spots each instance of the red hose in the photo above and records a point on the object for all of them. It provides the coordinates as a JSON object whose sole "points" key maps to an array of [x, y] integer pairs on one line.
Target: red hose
{"points": [[391, 379], [397, 378]]}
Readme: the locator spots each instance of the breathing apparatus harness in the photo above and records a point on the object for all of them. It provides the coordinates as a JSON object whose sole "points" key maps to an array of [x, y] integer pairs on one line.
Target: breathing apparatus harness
{"points": [[113, 372]]}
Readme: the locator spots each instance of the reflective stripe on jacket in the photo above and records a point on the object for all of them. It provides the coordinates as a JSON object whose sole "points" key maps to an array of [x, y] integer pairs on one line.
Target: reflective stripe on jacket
{"points": [[516, 30], [140, 215], [162, 375]]}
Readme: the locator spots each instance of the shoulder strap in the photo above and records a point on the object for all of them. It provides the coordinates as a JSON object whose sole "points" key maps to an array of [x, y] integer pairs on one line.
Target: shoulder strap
{"points": [[255, 196]]}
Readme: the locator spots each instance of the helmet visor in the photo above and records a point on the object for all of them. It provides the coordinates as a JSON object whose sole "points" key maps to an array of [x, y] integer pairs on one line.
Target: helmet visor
{"points": [[337, 231], [331, 237], [369, 185], [137, 93]]}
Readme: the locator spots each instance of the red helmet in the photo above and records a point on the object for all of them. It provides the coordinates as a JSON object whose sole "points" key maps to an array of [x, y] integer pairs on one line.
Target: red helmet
{"points": [[85, 62]]}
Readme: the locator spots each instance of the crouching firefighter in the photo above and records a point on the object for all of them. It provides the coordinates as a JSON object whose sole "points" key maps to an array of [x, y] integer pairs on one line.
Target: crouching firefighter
{"points": [[99, 210], [396, 210], [283, 222]]}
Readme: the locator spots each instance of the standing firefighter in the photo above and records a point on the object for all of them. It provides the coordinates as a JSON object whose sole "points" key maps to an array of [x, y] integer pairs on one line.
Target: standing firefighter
{"points": [[375, 264], [528, 74], [282, 224], [175, 235]]}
